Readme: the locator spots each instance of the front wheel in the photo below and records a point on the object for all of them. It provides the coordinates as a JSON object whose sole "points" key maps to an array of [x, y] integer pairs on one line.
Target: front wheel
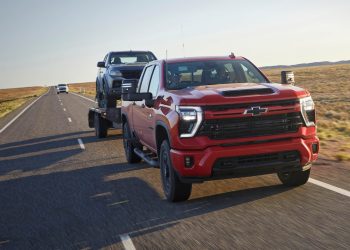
{"points": [[296, 178], [173, 188]]}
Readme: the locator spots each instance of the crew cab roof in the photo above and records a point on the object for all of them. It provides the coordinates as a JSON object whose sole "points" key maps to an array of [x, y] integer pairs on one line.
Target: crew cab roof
{"points": [[128, 51], [205, 58]]}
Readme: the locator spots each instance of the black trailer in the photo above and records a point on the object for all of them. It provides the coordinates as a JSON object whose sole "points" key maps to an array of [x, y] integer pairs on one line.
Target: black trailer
{"points": [[104, 118]]}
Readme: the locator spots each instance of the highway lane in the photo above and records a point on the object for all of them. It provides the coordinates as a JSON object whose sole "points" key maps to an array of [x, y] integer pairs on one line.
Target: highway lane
{"points": [[56, 195]]}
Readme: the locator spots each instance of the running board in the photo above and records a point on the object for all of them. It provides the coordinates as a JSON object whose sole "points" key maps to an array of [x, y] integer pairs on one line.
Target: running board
{"points": [[146, 157]]}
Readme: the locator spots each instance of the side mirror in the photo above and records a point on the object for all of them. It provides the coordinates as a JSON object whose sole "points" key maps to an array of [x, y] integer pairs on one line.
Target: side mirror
{"points": [[135, 97], [129, 86], [101, 65], [287, 77]]}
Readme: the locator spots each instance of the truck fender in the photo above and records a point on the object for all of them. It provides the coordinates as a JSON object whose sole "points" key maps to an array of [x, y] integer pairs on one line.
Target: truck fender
{"points": [[163, 125]]}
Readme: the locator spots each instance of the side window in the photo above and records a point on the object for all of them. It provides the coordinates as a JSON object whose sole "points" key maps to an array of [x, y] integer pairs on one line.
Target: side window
{"points": [[145, 79], [154, 85]]}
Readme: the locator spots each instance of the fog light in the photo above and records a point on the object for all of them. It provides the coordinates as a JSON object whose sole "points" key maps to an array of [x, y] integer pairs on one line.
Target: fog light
{"points": [[188, 161], [315, 148]]}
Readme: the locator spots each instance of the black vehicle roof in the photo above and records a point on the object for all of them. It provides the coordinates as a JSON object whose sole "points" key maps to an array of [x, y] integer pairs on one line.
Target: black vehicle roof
{"points": [[128, 51]]}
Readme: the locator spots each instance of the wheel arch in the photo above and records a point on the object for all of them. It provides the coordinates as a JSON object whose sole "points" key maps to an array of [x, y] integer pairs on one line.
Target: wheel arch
{"points": [[162, 132]]}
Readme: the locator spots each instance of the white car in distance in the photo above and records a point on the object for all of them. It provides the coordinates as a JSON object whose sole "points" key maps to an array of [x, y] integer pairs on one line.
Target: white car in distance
{"points": [[62, 88]]}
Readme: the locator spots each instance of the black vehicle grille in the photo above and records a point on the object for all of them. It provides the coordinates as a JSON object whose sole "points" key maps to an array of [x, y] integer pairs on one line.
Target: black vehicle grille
{"points": [[282, 103], [262, 162], [117, 83], [251, 126], [131, 74]]}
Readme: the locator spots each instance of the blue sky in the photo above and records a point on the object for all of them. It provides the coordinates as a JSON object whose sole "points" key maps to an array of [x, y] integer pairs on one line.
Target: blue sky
{"points": [[49, 42]]}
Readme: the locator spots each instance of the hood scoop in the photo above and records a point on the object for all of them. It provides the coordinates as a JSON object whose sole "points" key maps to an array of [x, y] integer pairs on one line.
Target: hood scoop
{"points": [[243, 92]]}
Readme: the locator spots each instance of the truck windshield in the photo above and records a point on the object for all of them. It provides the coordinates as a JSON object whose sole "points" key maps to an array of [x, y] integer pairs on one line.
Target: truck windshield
{"points": [[131, 57], [189, 74]]}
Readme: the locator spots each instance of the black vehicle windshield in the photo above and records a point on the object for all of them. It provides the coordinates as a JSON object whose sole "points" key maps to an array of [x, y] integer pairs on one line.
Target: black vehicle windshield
{"points": [[131, 57], [62, 85], [189, 74]]}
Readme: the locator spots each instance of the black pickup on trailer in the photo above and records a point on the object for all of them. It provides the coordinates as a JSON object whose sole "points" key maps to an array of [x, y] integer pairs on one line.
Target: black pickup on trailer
{"points": [[116, 67]]}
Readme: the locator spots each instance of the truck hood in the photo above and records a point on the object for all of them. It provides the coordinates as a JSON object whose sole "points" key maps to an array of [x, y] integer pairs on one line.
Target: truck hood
{"points": [[230, 93], [128, 67]]}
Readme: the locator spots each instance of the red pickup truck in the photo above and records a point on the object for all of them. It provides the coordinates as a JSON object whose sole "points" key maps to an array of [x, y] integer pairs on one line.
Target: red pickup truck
{"points": [[212, 118]]}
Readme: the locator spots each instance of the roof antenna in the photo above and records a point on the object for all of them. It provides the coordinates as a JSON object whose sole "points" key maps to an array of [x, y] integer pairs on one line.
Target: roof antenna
{"points": [[232, 55], [166, 54], [183, 42]]}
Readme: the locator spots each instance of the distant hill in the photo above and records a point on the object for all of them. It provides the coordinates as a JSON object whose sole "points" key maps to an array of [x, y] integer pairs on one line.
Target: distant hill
{"points": [[306, 64]]}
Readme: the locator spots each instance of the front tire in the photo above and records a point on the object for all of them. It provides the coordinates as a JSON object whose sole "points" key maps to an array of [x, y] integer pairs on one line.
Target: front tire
{"points": [[292, 179], [130, 155], [173, 188]]}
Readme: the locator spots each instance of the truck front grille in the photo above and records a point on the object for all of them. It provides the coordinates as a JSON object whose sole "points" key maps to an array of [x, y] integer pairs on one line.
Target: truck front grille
{"points": [[261, 163], [282, 103], [131, 74], [251, 126]]}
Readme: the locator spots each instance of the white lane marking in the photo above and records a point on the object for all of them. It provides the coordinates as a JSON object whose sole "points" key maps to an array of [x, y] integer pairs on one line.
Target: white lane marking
{"points": [[61, 104], [64, 109], [69, 119], [81, 144], [24, 110], [127, 242], [330, 187], [83, 97]]}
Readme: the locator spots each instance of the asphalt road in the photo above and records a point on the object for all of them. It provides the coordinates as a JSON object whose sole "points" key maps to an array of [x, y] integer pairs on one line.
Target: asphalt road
{"points": [[56, 195]]}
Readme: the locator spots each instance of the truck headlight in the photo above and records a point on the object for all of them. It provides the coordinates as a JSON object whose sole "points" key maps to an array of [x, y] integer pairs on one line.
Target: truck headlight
{"points": [[307, 106], [190, 119], [115, 72]]}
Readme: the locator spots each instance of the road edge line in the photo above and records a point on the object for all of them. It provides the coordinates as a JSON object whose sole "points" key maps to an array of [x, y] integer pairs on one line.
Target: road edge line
{"points": [[127, 242], [83, 97], [330, 187], [24, 110]]}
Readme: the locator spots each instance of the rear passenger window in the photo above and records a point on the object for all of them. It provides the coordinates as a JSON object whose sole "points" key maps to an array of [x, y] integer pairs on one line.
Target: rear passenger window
{"points": [[145, 79], [154, 85]]}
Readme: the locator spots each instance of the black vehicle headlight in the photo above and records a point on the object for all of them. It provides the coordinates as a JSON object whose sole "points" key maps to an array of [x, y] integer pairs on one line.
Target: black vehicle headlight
{"points": [[308, 112], [190, 119], [115, 72]]}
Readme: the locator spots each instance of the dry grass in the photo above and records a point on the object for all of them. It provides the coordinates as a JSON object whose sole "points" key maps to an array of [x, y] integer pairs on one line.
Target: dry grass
{"points": [[85, 88], [11, 99], [330, 89]]}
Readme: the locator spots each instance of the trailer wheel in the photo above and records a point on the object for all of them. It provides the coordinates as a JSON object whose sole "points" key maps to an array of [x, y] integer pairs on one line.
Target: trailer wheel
{"points": [[130, 155], [101, 126]]}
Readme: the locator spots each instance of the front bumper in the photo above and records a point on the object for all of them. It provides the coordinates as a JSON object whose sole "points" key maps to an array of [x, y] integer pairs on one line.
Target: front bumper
{"points": [[205, 161]]}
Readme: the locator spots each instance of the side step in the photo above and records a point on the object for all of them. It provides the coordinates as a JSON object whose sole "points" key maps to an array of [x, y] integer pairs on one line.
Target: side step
{"points": [[147, 157]]}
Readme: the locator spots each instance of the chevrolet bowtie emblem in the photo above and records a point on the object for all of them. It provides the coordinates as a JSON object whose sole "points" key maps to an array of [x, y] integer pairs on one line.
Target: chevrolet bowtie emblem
{"points": [[255, 111]]}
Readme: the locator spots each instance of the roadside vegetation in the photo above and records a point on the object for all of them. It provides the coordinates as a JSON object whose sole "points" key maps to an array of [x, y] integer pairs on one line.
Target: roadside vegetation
{"points": [[11, 99], [330, 89], [85, 88]]}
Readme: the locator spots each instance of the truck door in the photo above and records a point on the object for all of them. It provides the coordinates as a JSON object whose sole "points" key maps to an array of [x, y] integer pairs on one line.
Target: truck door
{"points": [[138, 115], [149, 132]]}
